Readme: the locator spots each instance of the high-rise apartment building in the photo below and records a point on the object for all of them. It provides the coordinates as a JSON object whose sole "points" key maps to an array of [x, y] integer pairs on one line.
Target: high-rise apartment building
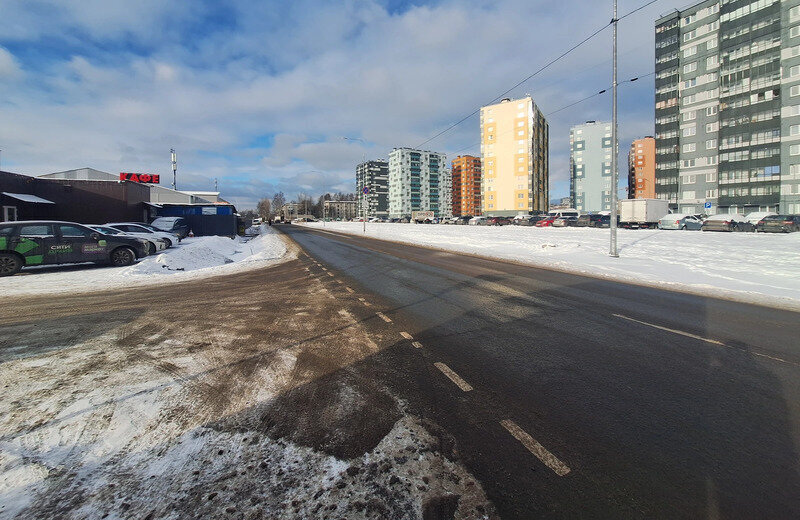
{"points": [[373, 175], [466, 173], [728, 106], [418, 181], [590, 166], [642, 169], [515, 144]]}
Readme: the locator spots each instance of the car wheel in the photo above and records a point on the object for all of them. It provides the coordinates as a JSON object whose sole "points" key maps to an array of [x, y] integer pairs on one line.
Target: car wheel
{"points": [[151, 248], [168, 242], [683, 228], [122, 256], [10, 264]]}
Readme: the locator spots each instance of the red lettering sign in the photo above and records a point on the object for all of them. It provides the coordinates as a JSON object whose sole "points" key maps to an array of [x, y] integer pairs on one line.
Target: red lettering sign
{"points": [[140, 177]]}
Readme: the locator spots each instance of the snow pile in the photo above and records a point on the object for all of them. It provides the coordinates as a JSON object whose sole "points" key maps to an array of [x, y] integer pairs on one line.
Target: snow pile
{"points": [[193, 258], [755, 267]]}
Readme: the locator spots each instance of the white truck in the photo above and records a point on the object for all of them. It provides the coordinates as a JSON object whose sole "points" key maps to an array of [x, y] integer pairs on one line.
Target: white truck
{"points": [[641, 213]]}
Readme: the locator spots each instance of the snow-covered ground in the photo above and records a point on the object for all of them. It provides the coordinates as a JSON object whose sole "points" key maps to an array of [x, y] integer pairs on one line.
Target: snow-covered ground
{"points": [[753, 267], [193, 258]]}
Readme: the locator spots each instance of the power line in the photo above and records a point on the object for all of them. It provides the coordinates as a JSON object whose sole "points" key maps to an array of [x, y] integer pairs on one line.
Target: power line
{"points": [[636, 78], [544, 67]]}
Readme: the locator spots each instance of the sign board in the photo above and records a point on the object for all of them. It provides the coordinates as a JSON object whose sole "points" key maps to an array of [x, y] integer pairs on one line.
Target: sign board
{"points": [[707, 205], [365, 190], [140, 177], [209, 210]]}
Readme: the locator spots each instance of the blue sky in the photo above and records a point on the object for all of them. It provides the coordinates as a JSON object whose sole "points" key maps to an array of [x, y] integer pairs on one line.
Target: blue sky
{"points": [[260, 95]]}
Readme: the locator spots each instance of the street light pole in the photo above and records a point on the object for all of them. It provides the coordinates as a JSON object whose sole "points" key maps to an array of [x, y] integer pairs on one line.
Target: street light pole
{"points": [[614, 146]]}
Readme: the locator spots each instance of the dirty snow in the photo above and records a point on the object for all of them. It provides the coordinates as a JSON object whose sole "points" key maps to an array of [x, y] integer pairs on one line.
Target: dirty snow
{"points": [[192, 259], [753, 267]]}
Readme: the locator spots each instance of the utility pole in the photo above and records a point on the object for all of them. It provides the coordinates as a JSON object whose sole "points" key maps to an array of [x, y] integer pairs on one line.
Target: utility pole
{"points": [[216, 184], [615, 148], [174, 168]]}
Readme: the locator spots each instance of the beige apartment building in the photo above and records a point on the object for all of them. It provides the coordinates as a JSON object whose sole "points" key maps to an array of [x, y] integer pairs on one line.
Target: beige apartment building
{"points": [[514, 154]]}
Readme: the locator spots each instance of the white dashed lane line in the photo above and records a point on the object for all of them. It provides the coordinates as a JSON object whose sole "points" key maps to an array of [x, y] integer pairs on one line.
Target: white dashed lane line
{"points": [[351, 291], [406, 335], [330, 274], [384, 317], [707, 340], [365, 302], [452, 376], [416, 344], [539, 451]]}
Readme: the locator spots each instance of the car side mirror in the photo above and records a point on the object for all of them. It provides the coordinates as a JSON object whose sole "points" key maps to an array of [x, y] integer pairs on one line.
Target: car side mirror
{"points": [[95, 236]]}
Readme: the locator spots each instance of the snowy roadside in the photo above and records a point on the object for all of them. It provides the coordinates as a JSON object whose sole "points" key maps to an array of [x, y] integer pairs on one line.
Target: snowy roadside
{"points": [[192, 259], [751, 267], [196, 409]]}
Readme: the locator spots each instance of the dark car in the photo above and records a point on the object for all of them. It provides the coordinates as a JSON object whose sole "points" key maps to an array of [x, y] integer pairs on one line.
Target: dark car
{"points": [[45, 242], [727, 222], [529, 221], [565, 221], [176, 225], [463, 220], [779, 224], [588, 220], [498, 221]]}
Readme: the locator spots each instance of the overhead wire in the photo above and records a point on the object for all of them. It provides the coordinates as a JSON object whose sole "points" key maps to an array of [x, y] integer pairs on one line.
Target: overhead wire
{"points": [[538, 71], [605, 90]]}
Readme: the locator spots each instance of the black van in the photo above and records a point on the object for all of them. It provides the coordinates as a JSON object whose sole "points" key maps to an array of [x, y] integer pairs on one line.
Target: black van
{"points": [[45, 242]]}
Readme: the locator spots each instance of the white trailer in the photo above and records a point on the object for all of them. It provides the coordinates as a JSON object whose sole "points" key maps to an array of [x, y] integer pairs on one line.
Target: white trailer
{"points": [[642, 213]]}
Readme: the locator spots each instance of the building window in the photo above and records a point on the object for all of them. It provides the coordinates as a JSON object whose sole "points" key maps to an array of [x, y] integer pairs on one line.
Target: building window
{"points": [[711, 143]]}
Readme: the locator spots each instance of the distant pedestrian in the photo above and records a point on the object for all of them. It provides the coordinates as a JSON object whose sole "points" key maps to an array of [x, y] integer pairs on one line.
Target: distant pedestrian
{"points": [[270, 222]]}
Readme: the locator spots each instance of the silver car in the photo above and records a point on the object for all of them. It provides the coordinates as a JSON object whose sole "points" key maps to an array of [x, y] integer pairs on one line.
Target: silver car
{"points": [[680, 221]]}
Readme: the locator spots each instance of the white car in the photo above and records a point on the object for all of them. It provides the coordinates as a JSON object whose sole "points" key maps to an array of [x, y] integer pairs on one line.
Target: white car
{"points": [[478, 221], [132, 227], [153, 244]]}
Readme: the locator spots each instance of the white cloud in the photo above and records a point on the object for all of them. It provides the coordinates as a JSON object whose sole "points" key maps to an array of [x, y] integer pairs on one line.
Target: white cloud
{"points": [[9, 68], [308, 73]]}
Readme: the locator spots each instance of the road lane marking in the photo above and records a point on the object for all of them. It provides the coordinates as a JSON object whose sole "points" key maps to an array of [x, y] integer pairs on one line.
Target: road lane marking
{"points": [[384, 317], [406, 335], [417, 344], [365, 302], [452, 376], [351, 291], [707, 340], [330, 274], [539, 451], [324, 269]]}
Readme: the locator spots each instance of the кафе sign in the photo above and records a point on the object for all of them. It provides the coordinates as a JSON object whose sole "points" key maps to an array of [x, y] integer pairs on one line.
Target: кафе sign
{"points": [[140, 177]]}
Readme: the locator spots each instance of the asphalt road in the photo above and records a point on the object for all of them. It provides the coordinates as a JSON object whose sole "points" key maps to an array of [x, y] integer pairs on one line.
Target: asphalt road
{"points": [[574, 397]]}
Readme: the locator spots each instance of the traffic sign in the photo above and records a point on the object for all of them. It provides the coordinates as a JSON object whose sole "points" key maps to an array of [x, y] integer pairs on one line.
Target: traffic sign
{"points": [[707, 205], [365, 190]]}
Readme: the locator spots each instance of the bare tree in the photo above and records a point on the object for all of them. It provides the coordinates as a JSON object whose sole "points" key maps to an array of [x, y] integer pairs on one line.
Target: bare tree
{"points": [[278, 201], [264, 208]]}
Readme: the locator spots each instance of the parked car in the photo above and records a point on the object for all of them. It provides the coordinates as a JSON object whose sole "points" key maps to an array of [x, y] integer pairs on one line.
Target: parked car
{"points": [[757, 216], [153, 244], [727, 222], [779, 224], [463, 220], [498, 221], [529, 221], [478, 221], [680, 221], [605, 221], [588, 220], [565, 221], [47, 242], [175, 225], [256, 222], [547, 221], [566, 212], [145, 232]]}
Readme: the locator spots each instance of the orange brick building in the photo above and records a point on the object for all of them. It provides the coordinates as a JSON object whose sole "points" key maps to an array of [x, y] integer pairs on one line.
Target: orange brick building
{"points": [[466, 186], [642, 169]]}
